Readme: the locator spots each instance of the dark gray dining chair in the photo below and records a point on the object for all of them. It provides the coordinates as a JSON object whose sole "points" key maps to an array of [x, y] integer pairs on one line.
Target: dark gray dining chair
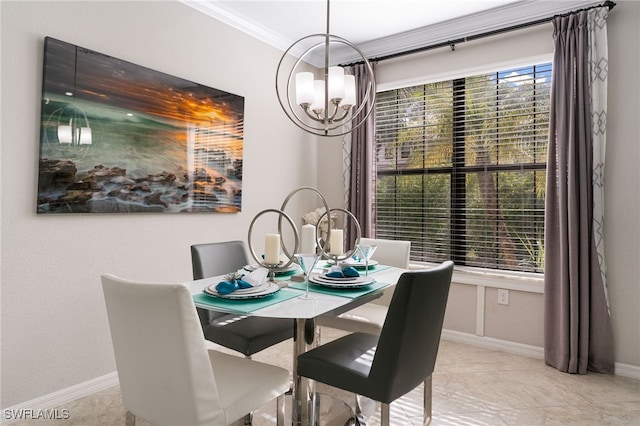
{"points": [[247, 335], [388, 366]]}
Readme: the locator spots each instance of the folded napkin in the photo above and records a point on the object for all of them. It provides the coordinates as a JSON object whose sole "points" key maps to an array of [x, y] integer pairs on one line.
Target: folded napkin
{"points": [[340, 272], [237, 280], [231, 285]]}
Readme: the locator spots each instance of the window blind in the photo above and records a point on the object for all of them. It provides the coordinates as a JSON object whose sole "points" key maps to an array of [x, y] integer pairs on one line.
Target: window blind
{"points": [[461, 168]]}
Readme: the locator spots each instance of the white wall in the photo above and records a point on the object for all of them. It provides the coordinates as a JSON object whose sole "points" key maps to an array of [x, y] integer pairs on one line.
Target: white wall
{"points": [[477, 312], [54, 328]]}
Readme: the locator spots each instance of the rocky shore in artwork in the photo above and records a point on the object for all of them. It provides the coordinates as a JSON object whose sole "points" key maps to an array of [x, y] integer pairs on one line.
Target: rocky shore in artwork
{"points": [[62, 189]]}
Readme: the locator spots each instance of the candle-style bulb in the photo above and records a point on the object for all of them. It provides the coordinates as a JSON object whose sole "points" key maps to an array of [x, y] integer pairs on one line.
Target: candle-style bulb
{"points": [[318, 96], [304, 88], [349, 91], [336, 83]]}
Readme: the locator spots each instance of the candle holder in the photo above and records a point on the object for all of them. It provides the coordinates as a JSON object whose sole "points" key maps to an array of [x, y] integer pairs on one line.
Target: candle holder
{"points": [[280, 266], [319, 242], [334, 257]]}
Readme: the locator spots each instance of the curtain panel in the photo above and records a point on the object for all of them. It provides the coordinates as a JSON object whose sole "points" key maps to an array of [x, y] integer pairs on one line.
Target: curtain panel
{"points": [[361, 180], [578, 333]]}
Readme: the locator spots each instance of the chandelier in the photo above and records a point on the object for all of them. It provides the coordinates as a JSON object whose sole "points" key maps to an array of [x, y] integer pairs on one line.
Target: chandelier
{"points": [[316, 92]]}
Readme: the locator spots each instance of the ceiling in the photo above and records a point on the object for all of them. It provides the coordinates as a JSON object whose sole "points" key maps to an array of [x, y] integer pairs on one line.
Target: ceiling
{"points": [[379, 27]]}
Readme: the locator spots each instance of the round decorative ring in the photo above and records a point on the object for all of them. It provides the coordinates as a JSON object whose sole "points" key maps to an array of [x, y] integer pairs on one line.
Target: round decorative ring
{"points": [[349, 253], [273, 268], [326, 207]]}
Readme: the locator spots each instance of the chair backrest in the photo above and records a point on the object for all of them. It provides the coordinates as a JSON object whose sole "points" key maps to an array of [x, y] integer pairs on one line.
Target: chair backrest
{"points": [[410, 337], [390, 252], [163, 365], [211, 259]]}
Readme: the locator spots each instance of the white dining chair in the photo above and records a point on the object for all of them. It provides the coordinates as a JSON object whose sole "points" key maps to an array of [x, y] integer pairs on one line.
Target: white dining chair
{"points": [[167, 375], [368, 318]]}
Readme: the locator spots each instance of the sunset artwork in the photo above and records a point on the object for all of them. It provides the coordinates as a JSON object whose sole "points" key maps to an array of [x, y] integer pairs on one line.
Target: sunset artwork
{"points": [[121, 138]]}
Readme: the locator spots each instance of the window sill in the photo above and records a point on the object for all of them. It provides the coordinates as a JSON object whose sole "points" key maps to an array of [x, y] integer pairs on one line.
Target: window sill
{"points": [[518, 281]]}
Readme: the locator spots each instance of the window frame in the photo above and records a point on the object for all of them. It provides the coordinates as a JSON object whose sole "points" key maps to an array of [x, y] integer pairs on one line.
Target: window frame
{"points": [[530, 277]]}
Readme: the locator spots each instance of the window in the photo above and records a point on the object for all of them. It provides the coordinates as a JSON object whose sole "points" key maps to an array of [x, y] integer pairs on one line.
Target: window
{"points": [[461, 168]]}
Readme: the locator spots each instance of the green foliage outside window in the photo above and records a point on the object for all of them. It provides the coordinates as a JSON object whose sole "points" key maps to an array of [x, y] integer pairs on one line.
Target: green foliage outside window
{"points": [[461, 168]]}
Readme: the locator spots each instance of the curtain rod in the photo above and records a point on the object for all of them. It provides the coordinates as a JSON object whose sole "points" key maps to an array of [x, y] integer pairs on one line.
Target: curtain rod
{"points": [[452, 43]]}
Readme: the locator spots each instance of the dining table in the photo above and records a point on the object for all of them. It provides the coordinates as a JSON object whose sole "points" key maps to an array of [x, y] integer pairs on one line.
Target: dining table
{"points": [[289, 302]]}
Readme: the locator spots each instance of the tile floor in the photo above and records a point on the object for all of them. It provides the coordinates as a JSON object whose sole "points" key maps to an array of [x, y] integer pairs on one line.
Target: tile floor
{"points": [[471, 386]]}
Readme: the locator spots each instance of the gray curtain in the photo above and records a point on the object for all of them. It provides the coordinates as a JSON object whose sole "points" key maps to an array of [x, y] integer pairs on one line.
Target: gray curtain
{"points": [[578, 333], [361, 184]]}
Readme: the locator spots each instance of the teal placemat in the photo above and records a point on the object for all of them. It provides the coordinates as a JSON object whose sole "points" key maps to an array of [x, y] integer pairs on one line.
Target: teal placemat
{"points": [[351, 293], [377, 268], [243, 306]]}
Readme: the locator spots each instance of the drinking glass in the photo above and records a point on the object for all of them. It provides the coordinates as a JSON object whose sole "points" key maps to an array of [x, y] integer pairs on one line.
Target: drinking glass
{"points": [[366, 252], [307, 262]]}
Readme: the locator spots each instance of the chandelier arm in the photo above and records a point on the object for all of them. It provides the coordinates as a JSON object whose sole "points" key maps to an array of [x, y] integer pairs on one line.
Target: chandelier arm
{"points": [[336, 104], [311, 116], [344, 114]]}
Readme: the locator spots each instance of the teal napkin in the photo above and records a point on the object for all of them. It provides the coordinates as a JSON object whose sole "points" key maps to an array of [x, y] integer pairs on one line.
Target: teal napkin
{"points": [[339, 272], [226, 287]]}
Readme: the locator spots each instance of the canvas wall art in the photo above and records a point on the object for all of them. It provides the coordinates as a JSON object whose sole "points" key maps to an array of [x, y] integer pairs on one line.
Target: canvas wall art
{"points": [[121, 138]]}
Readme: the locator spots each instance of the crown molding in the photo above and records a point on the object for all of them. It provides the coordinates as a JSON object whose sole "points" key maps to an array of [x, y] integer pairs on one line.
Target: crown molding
{"points": [[509, 15], [227, 16]]}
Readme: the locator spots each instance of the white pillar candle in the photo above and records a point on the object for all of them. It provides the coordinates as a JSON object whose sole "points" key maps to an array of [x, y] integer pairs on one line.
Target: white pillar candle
{"points": [[272, 249], [308, 239], [336, 242]]}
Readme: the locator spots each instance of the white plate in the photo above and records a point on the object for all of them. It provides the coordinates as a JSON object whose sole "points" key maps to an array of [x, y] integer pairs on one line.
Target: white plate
{"points": [[357, 283], [255, 289], [321, 279], [359, 264], [263, 290], [325, 277]]}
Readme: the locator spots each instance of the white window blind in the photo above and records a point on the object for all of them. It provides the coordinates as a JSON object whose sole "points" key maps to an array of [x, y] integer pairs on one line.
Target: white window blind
{"points": [[461, 168]]}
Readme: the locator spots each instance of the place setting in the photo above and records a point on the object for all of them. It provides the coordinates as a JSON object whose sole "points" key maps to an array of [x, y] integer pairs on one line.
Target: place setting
{"points": [[240, 286], [341, 277]]}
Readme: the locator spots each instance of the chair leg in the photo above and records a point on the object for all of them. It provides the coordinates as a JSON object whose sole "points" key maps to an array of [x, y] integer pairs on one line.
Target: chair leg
{"points": [[280, 410], [248, 419], [130, 419], [385, 410], [427, 416], [359, 415]]}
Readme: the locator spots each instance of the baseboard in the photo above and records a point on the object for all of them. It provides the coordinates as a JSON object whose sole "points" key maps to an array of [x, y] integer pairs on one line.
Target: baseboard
{"points": [[627, 370], [58, 398], [624, 370], [492, 343]]}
